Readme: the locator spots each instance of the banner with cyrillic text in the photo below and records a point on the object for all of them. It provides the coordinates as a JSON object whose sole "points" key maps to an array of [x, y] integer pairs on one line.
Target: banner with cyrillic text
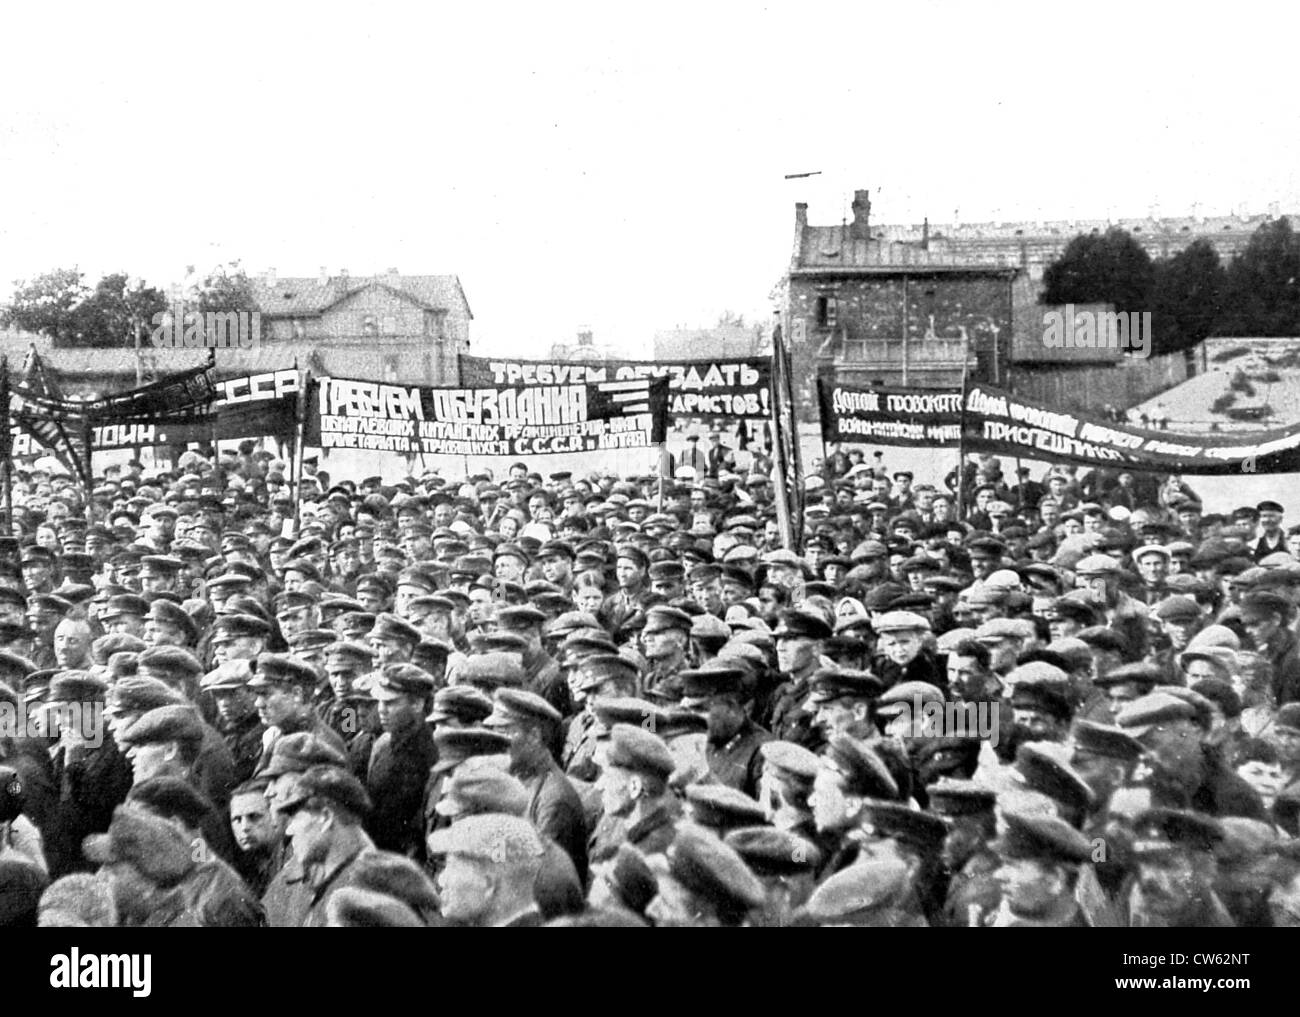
{"points": [[698, 389], [998, 422], [486, 420]]}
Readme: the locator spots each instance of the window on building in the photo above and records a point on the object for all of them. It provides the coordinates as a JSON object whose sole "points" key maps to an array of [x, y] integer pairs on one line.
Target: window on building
{"points": [[827, 312], [390, 324], [369, 325]]}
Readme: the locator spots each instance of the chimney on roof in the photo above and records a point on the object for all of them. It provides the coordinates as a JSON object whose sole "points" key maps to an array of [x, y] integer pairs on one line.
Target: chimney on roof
{"points": [[925, 234], [393, 279], [1274, 209], [270, 277], [324, 278], [343, 277], [861, 215]]}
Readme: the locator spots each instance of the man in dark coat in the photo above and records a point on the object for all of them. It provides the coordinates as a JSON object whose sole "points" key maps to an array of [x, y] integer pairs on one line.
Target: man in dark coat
{"points": [[401, 759], [531, 724], [93, 776]]}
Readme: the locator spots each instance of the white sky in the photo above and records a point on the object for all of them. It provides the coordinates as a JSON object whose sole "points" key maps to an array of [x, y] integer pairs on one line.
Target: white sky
{"points": [[576, 164]]}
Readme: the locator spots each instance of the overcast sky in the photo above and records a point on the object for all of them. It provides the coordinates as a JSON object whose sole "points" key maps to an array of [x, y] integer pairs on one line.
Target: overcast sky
{"points": [[581, 165]]}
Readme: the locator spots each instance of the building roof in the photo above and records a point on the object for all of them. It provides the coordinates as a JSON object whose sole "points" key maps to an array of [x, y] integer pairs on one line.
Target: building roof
{"points": [[300, 297], [831, 248], [344, 361]]}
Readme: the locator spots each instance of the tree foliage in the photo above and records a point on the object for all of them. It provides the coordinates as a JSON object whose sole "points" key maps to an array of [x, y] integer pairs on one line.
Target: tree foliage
{"points": [[1191, 295], [1187, 297], [1108, 267]]}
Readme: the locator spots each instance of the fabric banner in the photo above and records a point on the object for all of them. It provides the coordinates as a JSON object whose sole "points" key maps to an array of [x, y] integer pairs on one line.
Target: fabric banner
{"points": [[698, 389], [883, 415], [487, 420], [191, 390], [248, 406], [998, 422]]}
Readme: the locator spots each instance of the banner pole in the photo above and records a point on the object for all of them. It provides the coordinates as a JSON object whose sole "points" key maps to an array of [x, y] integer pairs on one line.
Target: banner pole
{"points": [[299, 451], [961, 434], [780, 490]]}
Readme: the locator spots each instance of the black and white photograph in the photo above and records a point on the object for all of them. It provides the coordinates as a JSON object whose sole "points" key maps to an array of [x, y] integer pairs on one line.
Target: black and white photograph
{"points": [[697, 465]]}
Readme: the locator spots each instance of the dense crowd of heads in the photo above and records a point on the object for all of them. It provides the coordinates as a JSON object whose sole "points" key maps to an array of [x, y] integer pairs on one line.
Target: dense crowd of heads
{"points": [[528, 699]]}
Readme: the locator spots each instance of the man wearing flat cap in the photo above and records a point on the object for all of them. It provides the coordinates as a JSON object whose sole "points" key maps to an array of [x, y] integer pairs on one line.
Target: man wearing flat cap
{"points": [[533, 727], [1180, 767], [324, 814], [401, 759], [1099, 575], [491, 870], [1267, 617], [638, 807]]}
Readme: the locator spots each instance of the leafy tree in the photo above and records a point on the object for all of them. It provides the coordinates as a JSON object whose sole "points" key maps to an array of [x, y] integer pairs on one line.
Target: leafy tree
{"points": [[1187, 297], [1108, 267], [46, 305], [226, 288], [119, 306], [1262, 292]]}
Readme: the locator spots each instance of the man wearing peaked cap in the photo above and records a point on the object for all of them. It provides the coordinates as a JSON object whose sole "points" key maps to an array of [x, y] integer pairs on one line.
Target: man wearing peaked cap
{"points": [[282, 689], [533, 727], [638, 806], [297, 611], [1041, 856], [595, 677], [1105, 757], [542, 674], [800, 636], [840, 701], [459, 706], [401, 759], [168, 624], [665, 639], [852, 775], [707, 883], [237, 722], [1045, 769], [871, 894], [125, 612], [324, 812], [491, 871], [732, 750], [722, 809], [967, 809], [393, 640], [238, 636], [784, 863]]}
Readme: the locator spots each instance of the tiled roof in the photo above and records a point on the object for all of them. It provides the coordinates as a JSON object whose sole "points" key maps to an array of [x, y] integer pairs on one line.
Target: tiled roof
{"points": [[832, 247], [306, 297], [358, 361]]}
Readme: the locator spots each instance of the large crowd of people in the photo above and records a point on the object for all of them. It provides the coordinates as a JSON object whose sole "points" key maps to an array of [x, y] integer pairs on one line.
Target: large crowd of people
{"points": [[559, 699]]}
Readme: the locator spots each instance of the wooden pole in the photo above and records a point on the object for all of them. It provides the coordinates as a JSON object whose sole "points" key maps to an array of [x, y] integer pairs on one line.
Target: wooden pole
{"points": [[961, 433], [304, 383]]}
